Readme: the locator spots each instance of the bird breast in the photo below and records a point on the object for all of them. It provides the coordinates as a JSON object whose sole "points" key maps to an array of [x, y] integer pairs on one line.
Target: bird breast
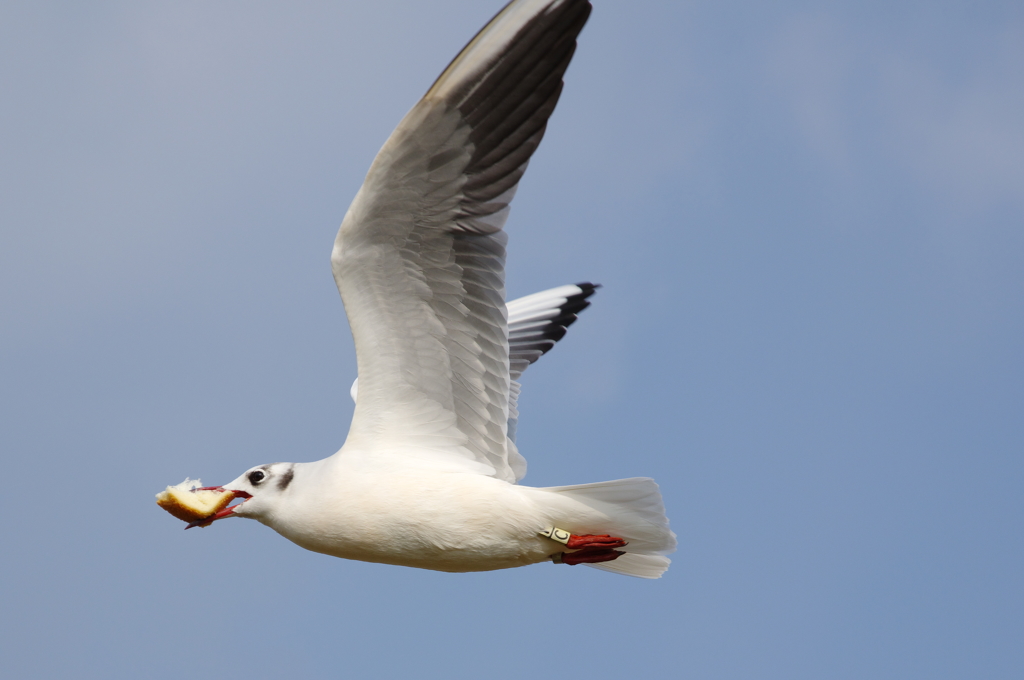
{"points": [[449, 521]]}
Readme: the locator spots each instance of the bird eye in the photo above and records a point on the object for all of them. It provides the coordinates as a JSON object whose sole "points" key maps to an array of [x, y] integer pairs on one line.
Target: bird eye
{"points": [[256, 476]]}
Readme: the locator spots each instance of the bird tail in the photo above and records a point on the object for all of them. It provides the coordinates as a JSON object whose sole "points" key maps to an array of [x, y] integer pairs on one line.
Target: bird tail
{"points": [[631, 509]]}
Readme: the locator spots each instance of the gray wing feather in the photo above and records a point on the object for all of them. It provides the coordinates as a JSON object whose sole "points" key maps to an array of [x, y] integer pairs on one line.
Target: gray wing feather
{"points": [[419, 259]]}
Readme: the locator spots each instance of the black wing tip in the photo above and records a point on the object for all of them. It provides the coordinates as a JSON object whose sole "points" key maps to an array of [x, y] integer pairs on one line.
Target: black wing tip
{"points": [[574, 304], [555, 328], [532, 345]]}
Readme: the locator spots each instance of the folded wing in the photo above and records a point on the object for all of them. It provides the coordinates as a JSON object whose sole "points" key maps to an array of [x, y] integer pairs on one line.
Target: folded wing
{"points": [[419, 258]]}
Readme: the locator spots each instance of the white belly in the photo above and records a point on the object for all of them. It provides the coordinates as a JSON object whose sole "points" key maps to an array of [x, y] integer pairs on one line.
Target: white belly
{"points": [[444, 521]]}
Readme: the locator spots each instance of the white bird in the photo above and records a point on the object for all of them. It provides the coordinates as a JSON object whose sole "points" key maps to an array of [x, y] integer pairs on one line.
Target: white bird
{"points": [[427, 476]]}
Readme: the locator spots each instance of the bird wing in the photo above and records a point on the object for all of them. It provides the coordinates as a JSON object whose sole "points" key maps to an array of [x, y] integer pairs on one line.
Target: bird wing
{"points": [[419, 259], [535, 323]]}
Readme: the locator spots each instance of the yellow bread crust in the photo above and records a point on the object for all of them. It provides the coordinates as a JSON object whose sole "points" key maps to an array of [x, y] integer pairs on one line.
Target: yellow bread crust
{"points": [[192, 506]]}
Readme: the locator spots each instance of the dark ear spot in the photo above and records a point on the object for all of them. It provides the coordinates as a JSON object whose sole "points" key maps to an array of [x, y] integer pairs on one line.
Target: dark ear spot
{"points": [[286, 478]]}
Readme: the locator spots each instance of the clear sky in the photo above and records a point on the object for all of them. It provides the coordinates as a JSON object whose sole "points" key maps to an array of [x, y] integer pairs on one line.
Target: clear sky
{"points": [[808, 219]]}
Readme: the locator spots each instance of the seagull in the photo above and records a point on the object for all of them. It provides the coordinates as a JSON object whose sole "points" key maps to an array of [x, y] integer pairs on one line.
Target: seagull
{"points": [[427, 477]]}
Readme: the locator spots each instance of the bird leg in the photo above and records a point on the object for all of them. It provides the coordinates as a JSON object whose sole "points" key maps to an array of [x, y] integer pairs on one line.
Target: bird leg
{"points": [[589, 548], [575, 542], [603, 541], [587, 556]]}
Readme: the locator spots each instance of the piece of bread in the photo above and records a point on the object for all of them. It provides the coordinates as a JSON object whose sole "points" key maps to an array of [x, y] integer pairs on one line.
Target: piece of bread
{"points": [[186, 503]]}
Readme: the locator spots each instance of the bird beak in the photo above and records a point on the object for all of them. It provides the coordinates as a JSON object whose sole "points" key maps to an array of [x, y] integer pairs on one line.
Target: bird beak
{"points": [[226, 512]]}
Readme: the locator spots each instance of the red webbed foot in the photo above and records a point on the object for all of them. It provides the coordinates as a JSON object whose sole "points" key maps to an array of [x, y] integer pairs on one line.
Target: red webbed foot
{"points": [[594, 541], [579, 541], [590, 548], [588, 556]]}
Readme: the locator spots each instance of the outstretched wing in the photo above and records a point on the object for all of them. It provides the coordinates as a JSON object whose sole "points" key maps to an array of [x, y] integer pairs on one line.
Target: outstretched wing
{"points": [[419, 259], [536, 322]]}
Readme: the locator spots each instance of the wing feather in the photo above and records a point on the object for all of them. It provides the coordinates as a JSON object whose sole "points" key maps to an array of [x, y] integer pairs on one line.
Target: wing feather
{"points": [[419, 258]]}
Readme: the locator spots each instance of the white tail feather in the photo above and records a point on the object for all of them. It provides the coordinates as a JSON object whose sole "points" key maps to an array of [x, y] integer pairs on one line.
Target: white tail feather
{"points": [[631, 509], [634, 564]]}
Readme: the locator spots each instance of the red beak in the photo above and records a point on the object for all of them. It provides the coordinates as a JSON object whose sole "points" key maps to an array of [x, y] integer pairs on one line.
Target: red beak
{"points": [[226, 512]]}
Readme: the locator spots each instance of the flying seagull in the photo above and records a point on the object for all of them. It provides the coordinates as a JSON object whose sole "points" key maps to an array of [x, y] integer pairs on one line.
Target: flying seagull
{"points": [[427, 476]]}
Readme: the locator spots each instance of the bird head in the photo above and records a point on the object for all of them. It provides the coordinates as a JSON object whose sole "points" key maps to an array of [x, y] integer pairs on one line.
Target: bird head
{"points": [[259, 488]]}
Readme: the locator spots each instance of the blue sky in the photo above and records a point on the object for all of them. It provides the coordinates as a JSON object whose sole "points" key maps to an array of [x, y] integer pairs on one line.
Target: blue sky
{"points": [[808, 219]]}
